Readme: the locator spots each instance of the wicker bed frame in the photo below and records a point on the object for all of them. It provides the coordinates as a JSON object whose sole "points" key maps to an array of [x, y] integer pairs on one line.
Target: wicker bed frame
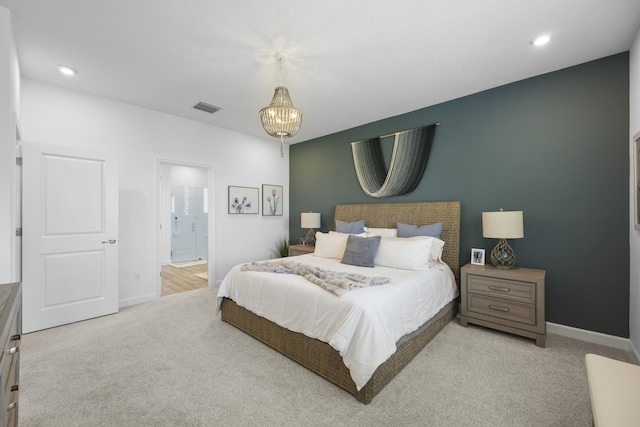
{"points": [[319, 356]]}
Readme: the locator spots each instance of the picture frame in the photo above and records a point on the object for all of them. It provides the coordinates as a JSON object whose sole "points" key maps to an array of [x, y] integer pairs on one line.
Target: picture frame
{"points": [[636, 180], [477, 256], [272, 200], [243, 200]]}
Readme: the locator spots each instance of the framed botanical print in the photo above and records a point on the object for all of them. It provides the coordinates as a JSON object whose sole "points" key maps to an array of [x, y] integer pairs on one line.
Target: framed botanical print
{"points": [[243, 200], [272, 200]]}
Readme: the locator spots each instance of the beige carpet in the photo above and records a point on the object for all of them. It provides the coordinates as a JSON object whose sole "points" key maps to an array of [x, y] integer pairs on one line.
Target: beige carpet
{"points": [[173, 362]]}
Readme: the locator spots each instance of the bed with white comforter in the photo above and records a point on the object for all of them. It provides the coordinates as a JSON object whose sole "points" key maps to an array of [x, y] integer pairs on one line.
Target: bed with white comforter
{"points": [[363, 325]]}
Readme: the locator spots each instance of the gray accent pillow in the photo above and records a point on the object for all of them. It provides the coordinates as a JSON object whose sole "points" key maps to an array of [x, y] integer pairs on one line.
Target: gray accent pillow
{"points": [[355, 227], [407, 230], [361, 251]]}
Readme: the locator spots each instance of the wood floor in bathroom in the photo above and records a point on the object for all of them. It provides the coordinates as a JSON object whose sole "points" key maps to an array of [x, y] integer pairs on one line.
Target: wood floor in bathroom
{"points": [[176, 280]]}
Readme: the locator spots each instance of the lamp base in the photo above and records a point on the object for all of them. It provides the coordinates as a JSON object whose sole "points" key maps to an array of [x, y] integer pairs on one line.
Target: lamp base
{"points": [[310, 238], [502, 256]]}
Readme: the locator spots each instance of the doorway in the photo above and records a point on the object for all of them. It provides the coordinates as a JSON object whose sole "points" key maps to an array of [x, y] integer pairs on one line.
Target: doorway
{"points": [[185, 226]]}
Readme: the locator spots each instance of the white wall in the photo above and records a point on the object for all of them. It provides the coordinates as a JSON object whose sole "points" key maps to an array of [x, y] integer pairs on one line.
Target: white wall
{"points": [[634, 238], [140, 137], [9, 109]]}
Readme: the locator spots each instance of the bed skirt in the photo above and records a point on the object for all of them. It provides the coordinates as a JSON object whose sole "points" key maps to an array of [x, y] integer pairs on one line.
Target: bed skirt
{"points": [[323, 359]]}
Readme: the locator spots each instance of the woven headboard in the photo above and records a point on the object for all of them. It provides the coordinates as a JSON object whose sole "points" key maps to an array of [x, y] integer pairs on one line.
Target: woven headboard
{"points": [[385, 215]]}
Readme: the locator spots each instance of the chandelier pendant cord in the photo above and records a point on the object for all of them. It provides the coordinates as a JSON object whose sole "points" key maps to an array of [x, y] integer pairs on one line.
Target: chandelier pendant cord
{"points": [[281, 72], [281, 146], [281, 84]]}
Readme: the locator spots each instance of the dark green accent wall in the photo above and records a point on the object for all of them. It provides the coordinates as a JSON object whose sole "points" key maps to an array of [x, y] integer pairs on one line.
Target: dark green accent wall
{"points": [[554, 146]]}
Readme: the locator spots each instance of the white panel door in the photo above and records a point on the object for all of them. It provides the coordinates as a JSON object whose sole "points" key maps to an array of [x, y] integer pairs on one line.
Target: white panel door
{"points": [[70, 235]]}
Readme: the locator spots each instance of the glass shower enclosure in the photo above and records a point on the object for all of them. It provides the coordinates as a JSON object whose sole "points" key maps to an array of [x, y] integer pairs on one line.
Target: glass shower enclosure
{"points": [[189, 223]]}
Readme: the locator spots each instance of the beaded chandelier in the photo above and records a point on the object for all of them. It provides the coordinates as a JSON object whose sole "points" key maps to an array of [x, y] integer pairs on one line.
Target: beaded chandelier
{"points": [[281, 119]]}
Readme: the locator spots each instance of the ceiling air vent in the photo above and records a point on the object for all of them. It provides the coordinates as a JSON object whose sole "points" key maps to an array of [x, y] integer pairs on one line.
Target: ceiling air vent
{"points": [[207, 108]]}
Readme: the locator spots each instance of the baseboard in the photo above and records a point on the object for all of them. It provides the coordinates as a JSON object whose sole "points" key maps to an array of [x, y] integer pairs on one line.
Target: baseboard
{"points": [[137, 300], [635, 351], [590, 336]]}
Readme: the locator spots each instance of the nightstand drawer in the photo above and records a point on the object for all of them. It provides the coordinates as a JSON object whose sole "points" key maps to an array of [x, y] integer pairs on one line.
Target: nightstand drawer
{"points": [[295, 250], [503, 309], [524, 292]]}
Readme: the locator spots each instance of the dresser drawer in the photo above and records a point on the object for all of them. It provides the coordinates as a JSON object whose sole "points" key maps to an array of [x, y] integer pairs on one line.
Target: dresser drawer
{"points": [[10, 352], [11, 407], [503, 309], [512, 290]]}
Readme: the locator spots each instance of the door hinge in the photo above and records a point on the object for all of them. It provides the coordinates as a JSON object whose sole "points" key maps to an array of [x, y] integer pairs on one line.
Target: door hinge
{"points": [[19, 232], [18, 161]]}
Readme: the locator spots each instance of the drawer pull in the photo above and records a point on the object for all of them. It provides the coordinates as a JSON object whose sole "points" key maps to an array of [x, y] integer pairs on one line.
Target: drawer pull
{"points": [[13, 350], [12, 405], [498, 308], [498, 288]]}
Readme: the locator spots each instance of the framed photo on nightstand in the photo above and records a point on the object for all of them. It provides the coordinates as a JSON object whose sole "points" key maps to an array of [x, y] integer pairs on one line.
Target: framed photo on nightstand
{"points": [[477, 256]]}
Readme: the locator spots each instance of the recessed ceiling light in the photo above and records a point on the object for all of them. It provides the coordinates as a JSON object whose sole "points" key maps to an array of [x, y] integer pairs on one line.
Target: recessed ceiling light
{"points": [[66, 70], [540, 40]]}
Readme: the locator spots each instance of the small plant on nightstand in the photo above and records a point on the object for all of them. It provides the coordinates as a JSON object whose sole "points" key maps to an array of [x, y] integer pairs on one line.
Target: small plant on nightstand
{"points": [[282, 248]]}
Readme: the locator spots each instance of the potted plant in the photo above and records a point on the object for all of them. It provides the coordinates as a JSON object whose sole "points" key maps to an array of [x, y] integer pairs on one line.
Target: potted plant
{"points": [[282, 248]]}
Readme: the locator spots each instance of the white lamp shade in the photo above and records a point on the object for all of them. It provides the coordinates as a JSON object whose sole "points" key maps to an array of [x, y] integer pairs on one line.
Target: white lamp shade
{"points": [[503, 225], [310, 220]]}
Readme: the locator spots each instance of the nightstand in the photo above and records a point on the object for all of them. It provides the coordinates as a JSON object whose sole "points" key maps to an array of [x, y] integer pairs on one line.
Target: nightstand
{"points": [[295, 250], [507, 300]]}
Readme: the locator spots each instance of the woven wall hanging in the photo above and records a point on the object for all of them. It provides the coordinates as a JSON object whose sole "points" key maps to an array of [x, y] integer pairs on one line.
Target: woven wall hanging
{"points": [[409, 158]]}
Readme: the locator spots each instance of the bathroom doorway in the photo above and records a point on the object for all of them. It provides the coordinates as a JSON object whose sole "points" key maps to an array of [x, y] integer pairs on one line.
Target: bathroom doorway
{"points": [[184, 227]]}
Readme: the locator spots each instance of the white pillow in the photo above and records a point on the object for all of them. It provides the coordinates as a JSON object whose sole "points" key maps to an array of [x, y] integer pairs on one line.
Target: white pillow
{"points": [[384, 232], [363, 234], [413, 253], [330, 245]]}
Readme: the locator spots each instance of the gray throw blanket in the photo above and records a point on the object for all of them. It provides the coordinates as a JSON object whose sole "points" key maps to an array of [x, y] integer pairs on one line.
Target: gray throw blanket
{"points": [[333, 281]]}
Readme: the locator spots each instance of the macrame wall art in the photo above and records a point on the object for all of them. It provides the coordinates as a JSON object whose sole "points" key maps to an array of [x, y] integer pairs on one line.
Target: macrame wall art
{"points": [[409, 158]]}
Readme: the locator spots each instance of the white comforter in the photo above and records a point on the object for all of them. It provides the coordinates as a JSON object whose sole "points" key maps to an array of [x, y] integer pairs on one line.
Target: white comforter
{"points": [[363, 325]]}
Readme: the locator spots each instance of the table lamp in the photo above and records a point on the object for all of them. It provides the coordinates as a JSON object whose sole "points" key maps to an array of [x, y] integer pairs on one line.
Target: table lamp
{"points": [[503, 225], [310, 220]]}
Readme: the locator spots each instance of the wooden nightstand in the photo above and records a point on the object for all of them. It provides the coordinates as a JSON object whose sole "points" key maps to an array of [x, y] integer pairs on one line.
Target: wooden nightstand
{"points": [[295, 250], [507, 300]]}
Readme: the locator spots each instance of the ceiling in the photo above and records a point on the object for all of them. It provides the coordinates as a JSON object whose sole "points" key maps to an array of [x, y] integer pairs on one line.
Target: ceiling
{"points": [[351, 62]]}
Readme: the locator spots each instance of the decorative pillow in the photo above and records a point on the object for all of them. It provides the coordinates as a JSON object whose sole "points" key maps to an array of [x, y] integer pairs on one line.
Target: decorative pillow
{"points": [[385, 232], [437, 246], [407, 230], [355, 227], [330, 245], [361, 251], [415, 253]]}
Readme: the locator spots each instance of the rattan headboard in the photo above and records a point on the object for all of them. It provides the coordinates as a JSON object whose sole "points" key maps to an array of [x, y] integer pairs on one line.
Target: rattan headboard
{"points": [[385, 215]]}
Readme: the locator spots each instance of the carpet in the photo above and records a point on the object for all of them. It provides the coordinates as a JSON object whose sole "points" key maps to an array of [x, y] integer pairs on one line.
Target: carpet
{"points": [[173, 362]]}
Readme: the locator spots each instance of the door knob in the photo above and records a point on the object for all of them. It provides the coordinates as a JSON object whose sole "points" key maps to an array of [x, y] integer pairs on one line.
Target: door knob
{"points": [[111, 241]]}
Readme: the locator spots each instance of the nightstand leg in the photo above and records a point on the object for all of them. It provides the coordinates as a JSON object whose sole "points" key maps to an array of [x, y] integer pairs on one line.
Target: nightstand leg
{"points": [[540, 340], [463, 321]]}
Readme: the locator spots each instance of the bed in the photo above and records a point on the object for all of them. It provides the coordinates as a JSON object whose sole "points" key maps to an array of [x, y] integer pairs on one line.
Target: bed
{"points": [[323, 358]]}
